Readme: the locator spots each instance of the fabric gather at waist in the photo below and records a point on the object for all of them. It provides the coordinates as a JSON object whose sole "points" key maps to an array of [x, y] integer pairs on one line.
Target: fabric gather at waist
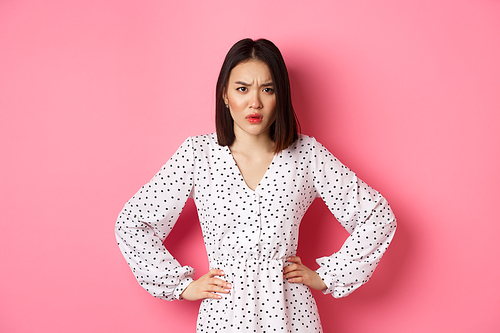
{"points": [[248, 262]]}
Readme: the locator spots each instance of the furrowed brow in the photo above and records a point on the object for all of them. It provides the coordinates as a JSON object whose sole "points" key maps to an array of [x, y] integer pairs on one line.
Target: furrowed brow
{"points": [[242, 83]]}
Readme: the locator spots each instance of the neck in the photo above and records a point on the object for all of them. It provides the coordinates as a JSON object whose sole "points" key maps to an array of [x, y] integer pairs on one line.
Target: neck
{"points": [[249, 144]]}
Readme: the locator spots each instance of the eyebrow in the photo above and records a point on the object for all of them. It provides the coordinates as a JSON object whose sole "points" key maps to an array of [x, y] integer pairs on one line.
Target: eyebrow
{"points": [[266, 84]]}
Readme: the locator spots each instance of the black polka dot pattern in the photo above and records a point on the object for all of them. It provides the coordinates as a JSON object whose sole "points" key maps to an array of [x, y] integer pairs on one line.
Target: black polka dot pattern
{"points": [[250, 233]]}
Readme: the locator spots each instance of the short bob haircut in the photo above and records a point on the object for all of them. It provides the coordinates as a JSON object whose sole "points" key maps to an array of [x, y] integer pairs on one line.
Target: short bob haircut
{"points": [[284, 130]]}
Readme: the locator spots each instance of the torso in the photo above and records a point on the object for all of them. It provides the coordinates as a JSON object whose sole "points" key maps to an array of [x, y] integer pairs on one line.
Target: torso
{"points": [[250, 203], [253, 167]]}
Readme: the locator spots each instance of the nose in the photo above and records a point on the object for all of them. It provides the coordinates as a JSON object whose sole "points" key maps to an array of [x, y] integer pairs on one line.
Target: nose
{"points": [[256, 103]]}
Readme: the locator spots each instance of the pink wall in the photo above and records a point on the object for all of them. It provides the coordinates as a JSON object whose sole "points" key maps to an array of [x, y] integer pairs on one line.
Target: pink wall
{"points": [[96, 95]]}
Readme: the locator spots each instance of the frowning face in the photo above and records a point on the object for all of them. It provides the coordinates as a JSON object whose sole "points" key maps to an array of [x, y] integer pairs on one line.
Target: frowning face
{"points": [[251, 98]]}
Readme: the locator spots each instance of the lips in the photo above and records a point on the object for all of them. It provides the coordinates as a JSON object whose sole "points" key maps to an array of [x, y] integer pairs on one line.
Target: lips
{"points": [[254, 118]]}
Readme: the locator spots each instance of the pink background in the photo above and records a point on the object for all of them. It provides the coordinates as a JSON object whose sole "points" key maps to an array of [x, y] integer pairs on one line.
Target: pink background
{"points": [[96, 95]]}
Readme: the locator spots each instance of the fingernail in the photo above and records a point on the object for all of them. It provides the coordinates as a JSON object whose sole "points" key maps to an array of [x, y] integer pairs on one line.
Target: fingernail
{"points": [[229, 285], [226, 290]]}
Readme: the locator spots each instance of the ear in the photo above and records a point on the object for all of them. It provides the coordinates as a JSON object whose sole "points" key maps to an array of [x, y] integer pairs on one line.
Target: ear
{"points": [[224, 96]]}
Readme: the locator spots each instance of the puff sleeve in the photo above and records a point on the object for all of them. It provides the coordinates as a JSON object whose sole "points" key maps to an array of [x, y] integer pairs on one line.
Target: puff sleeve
{"points": [[362, 211], [147, 219]]}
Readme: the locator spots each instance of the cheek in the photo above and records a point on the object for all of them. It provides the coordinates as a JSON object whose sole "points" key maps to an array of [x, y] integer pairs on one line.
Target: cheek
{"points": [[273, 117], [235, 102], [272, 102]]}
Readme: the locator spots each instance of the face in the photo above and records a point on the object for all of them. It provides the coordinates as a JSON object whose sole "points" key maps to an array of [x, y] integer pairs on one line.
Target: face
{"points": [[251, 98]]}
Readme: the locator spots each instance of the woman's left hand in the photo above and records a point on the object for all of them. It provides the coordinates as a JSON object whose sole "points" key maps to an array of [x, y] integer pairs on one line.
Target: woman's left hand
{"points": [[298, 272]]}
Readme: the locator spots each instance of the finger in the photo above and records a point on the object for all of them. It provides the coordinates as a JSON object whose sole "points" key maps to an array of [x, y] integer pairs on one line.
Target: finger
{"points": [[215, 272], [219, 282], [217, 289], [298, 279], [211, 295], [293, 274], [290, 268], [294, 259]]}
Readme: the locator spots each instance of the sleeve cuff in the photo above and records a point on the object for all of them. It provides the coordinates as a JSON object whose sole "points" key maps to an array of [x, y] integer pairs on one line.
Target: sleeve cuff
{"points": [[328, 279], [181, 286]]}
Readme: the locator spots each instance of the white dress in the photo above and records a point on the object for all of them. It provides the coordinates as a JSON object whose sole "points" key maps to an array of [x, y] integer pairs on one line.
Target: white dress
{"points": [[249, 234]]}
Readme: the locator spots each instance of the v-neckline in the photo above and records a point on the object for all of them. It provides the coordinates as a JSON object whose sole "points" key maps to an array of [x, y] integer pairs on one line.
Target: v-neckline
{"points": [[235, 164]]}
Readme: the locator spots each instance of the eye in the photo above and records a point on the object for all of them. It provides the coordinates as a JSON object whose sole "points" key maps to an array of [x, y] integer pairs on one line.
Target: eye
{"points": [[269, 90], [242, 89]]}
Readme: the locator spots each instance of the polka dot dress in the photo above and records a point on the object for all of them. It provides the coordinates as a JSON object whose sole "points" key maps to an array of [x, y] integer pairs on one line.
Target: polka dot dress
{"points": [[250, 233]]}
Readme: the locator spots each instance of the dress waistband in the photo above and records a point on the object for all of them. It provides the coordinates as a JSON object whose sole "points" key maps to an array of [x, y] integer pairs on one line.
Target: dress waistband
{"points": [[248, 262]]}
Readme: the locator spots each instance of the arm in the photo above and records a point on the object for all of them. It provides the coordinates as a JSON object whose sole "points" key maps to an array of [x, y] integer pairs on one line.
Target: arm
{"points": [[147, 219], [362, 211]]}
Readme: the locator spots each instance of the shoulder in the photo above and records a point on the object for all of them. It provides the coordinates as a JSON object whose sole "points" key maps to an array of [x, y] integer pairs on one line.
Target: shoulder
{"points": [[309, 148], [201, 142], [204, 139], [304, 144], [205, 146]]}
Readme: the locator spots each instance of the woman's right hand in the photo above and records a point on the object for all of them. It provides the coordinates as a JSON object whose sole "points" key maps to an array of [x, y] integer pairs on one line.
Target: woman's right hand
{"points": [[207, 286]]}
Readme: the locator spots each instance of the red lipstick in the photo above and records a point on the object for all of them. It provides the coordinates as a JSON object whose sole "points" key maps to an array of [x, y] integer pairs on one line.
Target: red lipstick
{"points": [[254, 118]]}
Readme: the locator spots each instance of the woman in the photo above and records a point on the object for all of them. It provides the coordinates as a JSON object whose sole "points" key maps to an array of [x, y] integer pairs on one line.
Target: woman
{"points": [[252, 183]]}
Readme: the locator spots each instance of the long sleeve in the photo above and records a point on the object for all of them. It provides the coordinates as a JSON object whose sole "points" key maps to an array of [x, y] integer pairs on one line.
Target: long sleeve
{"points": [[362, 211], [147, 219]]}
